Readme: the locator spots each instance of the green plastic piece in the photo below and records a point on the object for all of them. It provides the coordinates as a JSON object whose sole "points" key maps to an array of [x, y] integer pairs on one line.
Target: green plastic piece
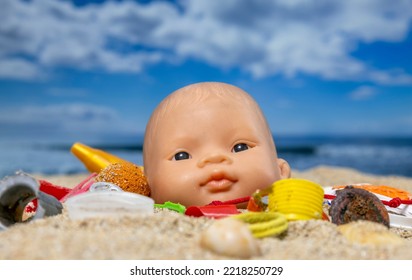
{"points": [[172, 206]]}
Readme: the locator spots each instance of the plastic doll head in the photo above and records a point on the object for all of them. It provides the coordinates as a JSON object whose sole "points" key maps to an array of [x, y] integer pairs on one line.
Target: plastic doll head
{"points": [[209, 142]]}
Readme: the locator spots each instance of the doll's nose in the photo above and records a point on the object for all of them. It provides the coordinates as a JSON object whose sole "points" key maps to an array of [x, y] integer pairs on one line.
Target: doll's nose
{"points": [[213, 159]]}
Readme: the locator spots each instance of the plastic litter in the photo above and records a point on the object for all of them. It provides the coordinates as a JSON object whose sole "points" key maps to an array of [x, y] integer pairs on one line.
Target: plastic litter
{"points": [[93, 159], [108, 203], [172, 206], [212, 211], [104, 186], [20, 191]]}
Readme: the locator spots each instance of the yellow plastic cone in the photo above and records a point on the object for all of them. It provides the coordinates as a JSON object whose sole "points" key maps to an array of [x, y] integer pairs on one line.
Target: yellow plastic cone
{"points": [[94, 159]]}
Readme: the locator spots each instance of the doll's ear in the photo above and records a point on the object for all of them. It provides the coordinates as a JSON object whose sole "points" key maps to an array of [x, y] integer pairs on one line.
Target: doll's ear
{"points": [[284, 168]]}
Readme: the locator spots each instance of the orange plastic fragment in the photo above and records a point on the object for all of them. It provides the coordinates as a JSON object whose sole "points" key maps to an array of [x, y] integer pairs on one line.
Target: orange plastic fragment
{"points": [[382, 190], [253, 206], [325, 217]]}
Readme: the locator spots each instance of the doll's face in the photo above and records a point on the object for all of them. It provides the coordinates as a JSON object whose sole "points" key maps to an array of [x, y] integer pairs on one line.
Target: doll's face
{"points": [[217, 149]]}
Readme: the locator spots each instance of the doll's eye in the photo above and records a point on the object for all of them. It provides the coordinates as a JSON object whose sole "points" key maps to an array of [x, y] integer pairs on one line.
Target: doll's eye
{"points": [[181, 156], [240, 147]]}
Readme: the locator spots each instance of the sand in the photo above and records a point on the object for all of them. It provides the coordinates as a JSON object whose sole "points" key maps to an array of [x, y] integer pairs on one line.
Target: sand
{"points": [[169, 235]]}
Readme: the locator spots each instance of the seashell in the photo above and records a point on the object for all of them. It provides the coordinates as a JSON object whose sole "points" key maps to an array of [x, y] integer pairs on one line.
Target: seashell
{"points": [[369, 233], [230, 237], [352, 204]]}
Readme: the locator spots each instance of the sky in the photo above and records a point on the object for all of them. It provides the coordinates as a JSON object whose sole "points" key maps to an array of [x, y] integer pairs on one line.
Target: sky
{"points": [[81, 70]]}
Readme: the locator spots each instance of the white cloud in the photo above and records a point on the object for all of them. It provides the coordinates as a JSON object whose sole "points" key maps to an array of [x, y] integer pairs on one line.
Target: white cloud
{"points": [[18, 68], [363, 93], [263, 38]]}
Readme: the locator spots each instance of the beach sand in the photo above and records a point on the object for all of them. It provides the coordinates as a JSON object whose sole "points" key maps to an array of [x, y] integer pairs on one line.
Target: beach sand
{"points": [[169, 235]]}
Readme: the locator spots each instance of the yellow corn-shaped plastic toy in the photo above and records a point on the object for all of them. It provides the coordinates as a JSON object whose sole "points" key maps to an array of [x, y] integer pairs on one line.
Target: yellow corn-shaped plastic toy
{"points": [[94, 159]]}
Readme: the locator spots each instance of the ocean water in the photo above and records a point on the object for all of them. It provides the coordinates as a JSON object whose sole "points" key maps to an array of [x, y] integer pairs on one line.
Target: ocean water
{"points": [[53, 158], [381, 156]]}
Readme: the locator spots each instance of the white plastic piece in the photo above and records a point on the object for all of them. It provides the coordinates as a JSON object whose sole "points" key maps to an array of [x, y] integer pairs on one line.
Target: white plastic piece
{"points": [[400, 221], [104, 186], [108, 203]]}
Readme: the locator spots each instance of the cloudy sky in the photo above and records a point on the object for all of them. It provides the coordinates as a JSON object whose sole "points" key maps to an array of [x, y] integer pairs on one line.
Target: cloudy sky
{"points": [[96, 69]]}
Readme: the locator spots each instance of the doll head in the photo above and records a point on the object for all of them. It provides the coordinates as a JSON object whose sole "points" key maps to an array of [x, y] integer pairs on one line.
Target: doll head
{"points": [[207, 142]]}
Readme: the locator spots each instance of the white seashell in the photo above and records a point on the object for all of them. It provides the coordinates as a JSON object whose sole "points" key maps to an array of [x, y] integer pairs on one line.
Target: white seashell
{"points": [[230, 237]]}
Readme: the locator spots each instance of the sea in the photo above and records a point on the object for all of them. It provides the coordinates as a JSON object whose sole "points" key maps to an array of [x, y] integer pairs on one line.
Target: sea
{"points": [[373, 155]]}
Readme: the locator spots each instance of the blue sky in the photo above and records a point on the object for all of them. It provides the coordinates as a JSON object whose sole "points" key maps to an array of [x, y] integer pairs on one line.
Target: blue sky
{"points": [[83, 70]]}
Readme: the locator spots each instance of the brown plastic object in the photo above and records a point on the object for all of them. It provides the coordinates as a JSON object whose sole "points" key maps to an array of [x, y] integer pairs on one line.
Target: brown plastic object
{"points": [[352, 204]]}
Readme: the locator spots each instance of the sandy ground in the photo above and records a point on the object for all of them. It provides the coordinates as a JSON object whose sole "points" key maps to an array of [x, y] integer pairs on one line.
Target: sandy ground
{"points": [[169, 235]]}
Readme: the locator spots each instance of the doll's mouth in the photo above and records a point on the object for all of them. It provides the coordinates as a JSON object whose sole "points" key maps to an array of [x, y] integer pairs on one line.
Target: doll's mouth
{"points": [[218, 183]]}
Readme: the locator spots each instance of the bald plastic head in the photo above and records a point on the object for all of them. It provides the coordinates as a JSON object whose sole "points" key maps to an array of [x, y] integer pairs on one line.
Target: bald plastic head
{"points": [[207, 142], [192, 95]]}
